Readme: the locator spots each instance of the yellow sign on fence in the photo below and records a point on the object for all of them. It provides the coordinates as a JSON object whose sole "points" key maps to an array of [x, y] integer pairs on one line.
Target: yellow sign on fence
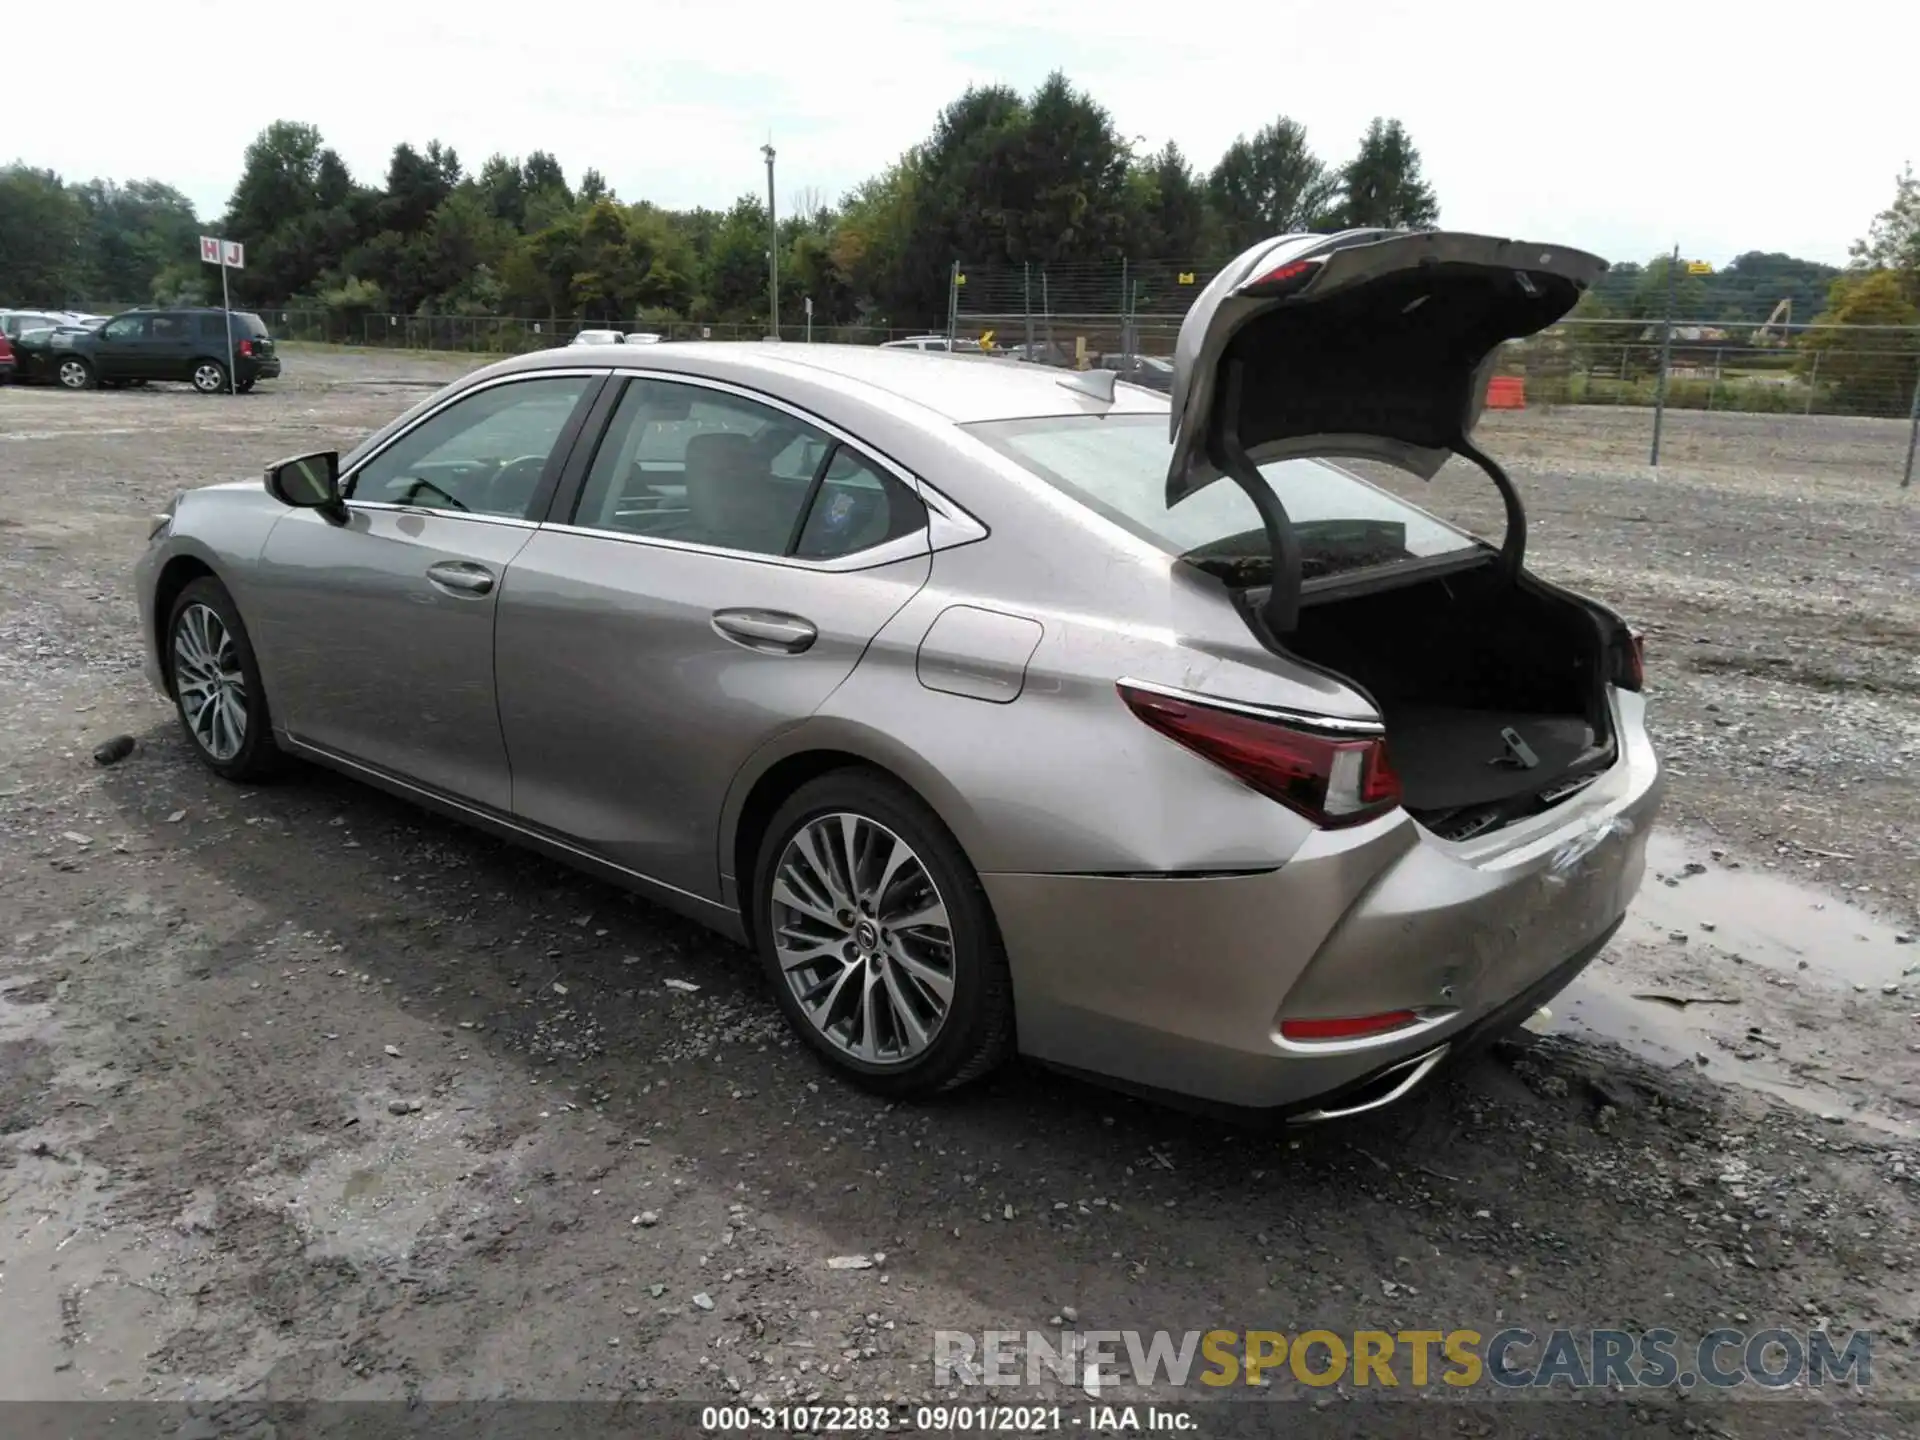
{"points": [[1186, 277], [1699, 267]]}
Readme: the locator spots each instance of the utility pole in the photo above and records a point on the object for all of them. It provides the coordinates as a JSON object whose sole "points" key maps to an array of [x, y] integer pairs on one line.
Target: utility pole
{"points": [[773, 245]]}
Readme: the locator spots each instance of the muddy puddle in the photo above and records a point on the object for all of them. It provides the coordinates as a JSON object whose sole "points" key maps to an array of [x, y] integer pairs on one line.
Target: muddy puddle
{"points": [[1718, 963]]}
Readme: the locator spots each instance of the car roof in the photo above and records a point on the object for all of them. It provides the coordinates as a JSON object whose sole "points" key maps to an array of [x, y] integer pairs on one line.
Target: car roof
{"points": [[965, 389]]}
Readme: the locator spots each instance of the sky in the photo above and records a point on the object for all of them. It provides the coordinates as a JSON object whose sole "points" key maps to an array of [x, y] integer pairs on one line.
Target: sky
{"points": [[1623, 128]]}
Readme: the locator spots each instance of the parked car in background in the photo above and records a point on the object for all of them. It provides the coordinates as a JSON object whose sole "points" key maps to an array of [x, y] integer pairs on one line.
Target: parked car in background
{"points": [[1151, 371], [615, 337], [37, 350], [190, 345], [995, 707], [936, 343], [16, 324], [1041, 352]]}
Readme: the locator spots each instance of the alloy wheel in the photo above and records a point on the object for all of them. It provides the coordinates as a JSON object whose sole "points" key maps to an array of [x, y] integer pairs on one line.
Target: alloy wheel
{"points": [[209, 681], [73, 374], [863, 938], [207, 379]]}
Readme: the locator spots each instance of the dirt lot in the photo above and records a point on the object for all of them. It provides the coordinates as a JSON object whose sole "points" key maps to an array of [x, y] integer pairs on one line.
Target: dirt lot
{"points": [[213, 1000]]}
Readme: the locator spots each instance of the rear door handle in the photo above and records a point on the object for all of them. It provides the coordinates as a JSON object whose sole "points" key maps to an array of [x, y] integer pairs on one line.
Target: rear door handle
{"points": [[462, 577], [771, 630]]}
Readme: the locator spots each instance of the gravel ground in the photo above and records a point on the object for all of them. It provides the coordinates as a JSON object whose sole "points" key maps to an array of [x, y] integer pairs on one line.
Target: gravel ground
{"points": [[426, 1122]]}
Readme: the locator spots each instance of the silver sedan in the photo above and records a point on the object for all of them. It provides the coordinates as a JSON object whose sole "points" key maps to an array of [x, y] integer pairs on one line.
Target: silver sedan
{"points": [[998, 708]]}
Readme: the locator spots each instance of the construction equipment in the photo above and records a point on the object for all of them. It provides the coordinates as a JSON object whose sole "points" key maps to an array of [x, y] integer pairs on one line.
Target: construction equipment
{"points": [[1774, 330]]}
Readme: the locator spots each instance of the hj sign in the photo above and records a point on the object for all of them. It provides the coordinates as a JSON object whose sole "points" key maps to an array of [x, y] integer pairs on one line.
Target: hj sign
{"points": [[228, 255]]}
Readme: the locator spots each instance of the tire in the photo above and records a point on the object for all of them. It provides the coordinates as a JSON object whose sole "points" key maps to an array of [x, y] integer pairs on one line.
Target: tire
{"points": [[911, 1047], [73, 373], [209, 377], [229, 662]]}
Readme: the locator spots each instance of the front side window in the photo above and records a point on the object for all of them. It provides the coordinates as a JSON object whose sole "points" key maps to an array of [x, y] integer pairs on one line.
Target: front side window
{"points": [[484, 454], [707, 468], [127, 327], [1116, 465]]}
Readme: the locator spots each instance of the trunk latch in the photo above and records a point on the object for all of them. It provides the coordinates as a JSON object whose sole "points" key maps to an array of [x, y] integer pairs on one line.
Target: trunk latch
{"points": [[1518, 754]]}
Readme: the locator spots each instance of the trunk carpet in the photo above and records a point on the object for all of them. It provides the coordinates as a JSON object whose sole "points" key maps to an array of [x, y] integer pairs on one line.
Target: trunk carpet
{"points": [[1448, 757]]}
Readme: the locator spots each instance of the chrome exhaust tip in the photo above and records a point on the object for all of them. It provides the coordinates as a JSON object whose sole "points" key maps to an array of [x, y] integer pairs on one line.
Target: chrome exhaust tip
{"points": [[1391, 1084]]}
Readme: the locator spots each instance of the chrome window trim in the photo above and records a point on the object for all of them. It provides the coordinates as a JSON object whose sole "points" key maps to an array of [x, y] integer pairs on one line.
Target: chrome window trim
{"points": [[429, 512], [902, 547], [352, 476], [948, 525], [1306, 719]]}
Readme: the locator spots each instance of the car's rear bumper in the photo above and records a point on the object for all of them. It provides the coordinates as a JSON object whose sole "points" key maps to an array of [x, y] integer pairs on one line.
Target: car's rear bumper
{"points": [[1180, 983], [261, 370]]}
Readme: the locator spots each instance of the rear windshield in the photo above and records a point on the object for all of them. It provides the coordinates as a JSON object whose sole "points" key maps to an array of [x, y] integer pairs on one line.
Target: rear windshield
{"points": [[1117, 466]]}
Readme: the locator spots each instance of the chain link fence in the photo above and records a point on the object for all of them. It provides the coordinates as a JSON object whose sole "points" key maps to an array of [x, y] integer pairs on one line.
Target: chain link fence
{"points": [[516, 335], [1680, 385], [1668, 372]]}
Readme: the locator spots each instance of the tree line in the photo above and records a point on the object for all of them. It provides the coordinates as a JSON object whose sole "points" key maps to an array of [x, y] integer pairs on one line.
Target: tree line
{"points": [[1003, 177]]}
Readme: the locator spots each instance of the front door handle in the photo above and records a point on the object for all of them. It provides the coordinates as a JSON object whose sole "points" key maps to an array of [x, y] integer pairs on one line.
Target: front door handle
{"points": [[462, 577], [770, 630]]}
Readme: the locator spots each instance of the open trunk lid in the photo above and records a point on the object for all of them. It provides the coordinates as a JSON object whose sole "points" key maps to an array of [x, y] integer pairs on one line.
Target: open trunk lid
{"points": [[1370, 344]]}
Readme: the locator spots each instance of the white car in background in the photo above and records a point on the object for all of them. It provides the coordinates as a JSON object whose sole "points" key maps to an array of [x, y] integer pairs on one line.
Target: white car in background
{"points": [[615, 337], [938, 344]]}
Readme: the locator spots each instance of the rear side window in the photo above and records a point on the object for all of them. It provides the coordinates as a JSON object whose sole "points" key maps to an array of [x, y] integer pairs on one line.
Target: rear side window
{"points": [[858, 506], [704, 467], [170, 327], [1116, 465], [245, 326]]}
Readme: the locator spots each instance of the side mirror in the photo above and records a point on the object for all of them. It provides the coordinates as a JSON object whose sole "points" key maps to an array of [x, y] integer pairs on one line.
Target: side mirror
{"points": [[309, 482]]}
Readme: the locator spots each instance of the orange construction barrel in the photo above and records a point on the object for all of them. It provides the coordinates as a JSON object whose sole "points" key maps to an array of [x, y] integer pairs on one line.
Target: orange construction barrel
{"points": [[1506, 392]]}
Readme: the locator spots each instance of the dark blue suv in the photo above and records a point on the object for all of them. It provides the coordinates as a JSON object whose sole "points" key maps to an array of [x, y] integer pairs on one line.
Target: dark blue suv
{"points": [[175, 344]]}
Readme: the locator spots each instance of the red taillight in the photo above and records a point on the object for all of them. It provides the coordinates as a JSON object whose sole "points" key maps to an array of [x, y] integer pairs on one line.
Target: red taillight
{"points": [[1290, 276], [246, 347], [1332, 780], [1346, 1027]]}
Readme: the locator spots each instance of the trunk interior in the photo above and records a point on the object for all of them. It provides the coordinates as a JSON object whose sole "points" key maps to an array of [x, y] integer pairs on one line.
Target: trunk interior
{"points": [[1493, 693]]}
